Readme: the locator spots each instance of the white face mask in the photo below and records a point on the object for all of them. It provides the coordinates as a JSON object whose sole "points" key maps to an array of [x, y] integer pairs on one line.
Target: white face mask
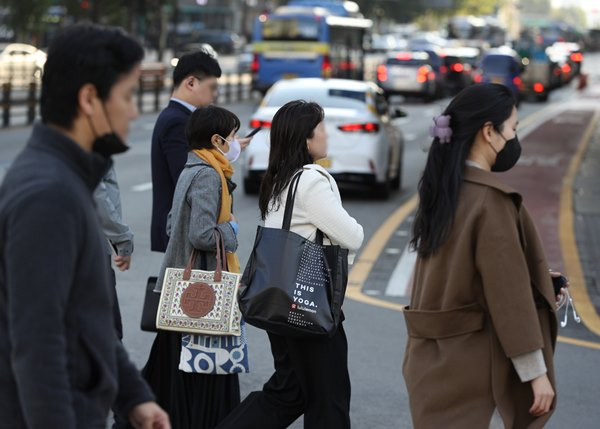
{"points": [[234, 150]]}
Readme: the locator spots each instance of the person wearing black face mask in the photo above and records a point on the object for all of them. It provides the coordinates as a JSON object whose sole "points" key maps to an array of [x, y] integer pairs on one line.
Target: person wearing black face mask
{"points": [[482, 310], [61, 363], [508, 156]]}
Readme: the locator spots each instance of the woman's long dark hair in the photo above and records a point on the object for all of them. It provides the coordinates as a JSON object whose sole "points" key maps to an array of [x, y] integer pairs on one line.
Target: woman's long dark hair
{"points": [[440, 184], [293, 123]]}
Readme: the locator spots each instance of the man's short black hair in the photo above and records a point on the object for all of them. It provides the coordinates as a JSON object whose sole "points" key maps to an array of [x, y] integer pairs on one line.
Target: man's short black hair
{"points": [[207, 121], [82, 54], [200, 64]]}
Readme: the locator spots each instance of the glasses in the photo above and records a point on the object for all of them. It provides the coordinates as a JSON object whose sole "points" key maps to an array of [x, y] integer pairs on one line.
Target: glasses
{"points": [[566, 301]]}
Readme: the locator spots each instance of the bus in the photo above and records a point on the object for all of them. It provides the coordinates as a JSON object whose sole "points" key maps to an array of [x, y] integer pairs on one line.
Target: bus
{"points": [[477, 32], [309, 39]]}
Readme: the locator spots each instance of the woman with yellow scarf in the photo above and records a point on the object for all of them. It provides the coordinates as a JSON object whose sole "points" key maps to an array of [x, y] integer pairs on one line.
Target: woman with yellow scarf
{"points": [[195, 377]]}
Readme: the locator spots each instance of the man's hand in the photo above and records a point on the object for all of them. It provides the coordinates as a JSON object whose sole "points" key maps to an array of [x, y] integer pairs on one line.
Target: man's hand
{"points": [[123, 262], [149, 415], [543, 395]]}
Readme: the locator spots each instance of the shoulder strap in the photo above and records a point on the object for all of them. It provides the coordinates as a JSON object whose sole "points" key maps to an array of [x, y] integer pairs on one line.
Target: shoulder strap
{"points": [[289, 202]]}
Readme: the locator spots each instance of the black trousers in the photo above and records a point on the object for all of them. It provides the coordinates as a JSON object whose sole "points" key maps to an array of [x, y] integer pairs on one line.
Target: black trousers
{"points": [[311, 378]]}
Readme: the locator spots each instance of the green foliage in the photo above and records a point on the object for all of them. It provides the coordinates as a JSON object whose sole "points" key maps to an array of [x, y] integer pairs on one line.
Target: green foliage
{"points": [[475, 7], [26, 15], [571, 15], [540, 7]]}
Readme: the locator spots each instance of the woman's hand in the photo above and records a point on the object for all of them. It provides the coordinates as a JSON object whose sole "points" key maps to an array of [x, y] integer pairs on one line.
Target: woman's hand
{"points": [[562, 295], [244, 141], [543, 395]]}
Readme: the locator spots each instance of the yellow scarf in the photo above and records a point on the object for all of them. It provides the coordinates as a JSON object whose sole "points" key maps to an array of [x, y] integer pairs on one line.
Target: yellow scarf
{"points": [[222, 165]]}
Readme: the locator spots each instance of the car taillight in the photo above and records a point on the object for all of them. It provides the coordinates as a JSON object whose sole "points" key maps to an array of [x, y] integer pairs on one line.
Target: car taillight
{"points": [[577, 57], [457, 67], [538, 87], [477, 78], [255, 123], [255, 64], [517, 81], [382, 74], [326, 66], [369, 127], [444, 69], [422, 74], [566, 68]]}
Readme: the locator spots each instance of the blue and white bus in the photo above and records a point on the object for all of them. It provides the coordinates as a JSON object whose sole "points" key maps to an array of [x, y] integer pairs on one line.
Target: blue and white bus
{"points": [[309, 39]]}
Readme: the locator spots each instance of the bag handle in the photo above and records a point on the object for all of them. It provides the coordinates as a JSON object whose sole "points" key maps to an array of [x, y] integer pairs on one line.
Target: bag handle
{"points": [[221, 259], [289, 206], [289, 202]]}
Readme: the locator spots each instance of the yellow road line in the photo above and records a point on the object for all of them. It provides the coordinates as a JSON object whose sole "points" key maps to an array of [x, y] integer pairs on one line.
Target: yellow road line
{"points": [[580, 343], [363, 266], [368, 257], [568, 242]]}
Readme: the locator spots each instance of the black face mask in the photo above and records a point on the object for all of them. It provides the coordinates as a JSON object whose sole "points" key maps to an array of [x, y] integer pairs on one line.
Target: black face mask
{"points": [[508, 156], [108, 144]]}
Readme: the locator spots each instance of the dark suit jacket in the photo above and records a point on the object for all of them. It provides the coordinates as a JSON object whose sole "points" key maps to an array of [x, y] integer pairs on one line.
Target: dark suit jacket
{"points": [[61, 364], [169, 155]]}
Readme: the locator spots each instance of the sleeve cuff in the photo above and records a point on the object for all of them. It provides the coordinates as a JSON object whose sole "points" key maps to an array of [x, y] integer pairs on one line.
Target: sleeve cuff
{"points": [[125, 248], [530, 365]]}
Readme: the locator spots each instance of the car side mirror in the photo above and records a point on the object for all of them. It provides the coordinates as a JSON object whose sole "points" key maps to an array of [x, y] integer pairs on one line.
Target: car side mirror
{"points": [[398, 113]]}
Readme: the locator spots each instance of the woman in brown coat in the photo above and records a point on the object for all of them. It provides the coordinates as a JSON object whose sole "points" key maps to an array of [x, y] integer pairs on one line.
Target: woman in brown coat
{"points": [[481, 322]]}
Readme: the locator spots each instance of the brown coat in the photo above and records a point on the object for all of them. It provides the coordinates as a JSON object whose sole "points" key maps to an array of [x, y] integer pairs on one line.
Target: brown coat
{"points": [[485, 296]]}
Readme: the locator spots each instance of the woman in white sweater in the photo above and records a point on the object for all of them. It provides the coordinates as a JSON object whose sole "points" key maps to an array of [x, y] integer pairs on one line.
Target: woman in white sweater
{"points": [[311, 374]]}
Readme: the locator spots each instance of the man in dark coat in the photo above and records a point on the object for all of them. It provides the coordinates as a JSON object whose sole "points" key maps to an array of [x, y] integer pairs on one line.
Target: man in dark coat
{"points": [[195, 84], [61, 364]]}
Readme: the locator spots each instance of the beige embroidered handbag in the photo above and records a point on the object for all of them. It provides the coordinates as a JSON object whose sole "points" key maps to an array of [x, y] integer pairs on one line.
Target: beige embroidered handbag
{"points": [[199, 301]]}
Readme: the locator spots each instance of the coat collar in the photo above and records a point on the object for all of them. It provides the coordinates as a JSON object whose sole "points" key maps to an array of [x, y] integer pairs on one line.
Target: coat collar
{"points": [[487, 178], [90, 166], [194, 160], [175, 104]]}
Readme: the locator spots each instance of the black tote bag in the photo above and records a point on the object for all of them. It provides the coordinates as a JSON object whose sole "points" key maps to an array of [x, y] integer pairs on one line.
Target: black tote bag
{"points": [[292, 286]]}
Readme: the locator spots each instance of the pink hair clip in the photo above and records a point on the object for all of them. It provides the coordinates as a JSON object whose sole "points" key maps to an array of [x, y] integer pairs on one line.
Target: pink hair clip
{"points": [[441, 128]]}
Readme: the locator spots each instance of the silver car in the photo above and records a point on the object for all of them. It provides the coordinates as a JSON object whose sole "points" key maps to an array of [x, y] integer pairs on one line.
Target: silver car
{"points": [[408, 74]]}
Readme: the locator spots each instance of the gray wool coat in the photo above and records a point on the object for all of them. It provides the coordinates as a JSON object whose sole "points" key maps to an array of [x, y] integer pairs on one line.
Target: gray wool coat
{"points": [[193, 218]]}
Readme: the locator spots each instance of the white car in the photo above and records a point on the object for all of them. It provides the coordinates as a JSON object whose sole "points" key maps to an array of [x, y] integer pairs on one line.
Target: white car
{"points": [[363, 144], [21, 64]]}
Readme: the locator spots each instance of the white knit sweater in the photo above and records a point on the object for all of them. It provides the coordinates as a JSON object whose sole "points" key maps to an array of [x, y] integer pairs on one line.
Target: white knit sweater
{"points": [[318, 205]]}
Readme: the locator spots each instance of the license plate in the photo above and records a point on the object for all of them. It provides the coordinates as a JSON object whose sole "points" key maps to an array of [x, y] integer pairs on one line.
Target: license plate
{"points": [[497, 80], [289, 76], [325, 162]]}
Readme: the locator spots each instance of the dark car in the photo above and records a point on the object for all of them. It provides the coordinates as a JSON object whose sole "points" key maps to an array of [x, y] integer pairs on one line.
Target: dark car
{"points": [[458, 68], [224, 42], [504, 66]]}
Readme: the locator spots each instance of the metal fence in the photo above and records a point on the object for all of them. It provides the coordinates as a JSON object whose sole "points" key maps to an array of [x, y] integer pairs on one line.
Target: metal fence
{"points": [[20, 102]]}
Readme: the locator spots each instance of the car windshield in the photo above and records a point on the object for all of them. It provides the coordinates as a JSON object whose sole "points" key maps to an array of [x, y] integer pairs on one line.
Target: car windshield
{"points": [[290, 29], [326, 97], [498, 64], [412, 62]]}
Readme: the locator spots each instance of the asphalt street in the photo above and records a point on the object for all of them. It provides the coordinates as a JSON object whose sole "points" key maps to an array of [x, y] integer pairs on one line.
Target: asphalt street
{"points": [[376, 333]]}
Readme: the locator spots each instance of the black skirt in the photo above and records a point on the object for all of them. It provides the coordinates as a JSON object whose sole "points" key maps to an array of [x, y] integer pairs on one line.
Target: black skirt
{"points": [[193, 401]]}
